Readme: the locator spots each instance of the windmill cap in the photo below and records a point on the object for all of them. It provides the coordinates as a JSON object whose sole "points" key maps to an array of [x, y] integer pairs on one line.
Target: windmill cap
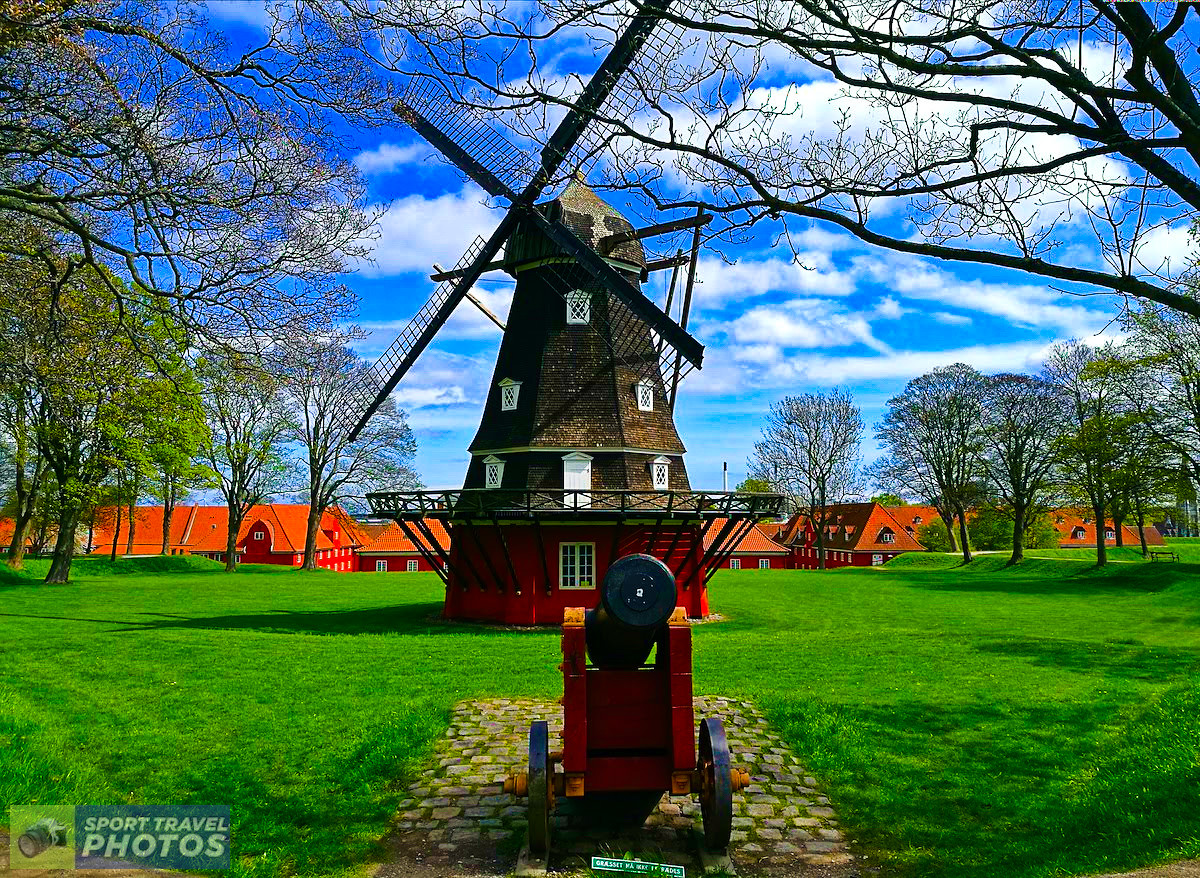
{"points": [[586, 214]]}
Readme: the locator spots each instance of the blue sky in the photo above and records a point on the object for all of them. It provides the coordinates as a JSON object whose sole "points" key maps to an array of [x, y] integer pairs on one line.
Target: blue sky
{"points": [[845, 315]]}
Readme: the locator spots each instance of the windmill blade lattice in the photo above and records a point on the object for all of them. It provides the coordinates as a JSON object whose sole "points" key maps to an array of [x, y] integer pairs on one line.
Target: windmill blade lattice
{"points": [[382, 377]]}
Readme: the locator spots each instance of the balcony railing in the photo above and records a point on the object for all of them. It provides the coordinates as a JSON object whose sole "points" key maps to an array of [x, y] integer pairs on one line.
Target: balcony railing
{"points": [[561, 503]]}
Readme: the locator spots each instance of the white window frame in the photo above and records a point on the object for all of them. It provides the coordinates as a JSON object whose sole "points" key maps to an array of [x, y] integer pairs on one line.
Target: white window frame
{"points": [[381, 566], [660, 466], [493, 466], [764, 563], [735, 563], [510, 393], [643, 392], [579, 308], [258, 535], [571, 572], [917, 519], [889, 537], [411, 566], [577, 496]]}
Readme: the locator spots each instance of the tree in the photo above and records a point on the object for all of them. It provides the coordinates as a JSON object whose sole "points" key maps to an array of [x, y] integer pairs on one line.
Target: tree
{"points": [[93, 414], [931, 435], [887, 499], [1006, 134], [936, 537], [209, 179], [316, 377], [1090, 447], [248, 420], [991, 529], [754, 486], [1022, 417], [809, 451]]}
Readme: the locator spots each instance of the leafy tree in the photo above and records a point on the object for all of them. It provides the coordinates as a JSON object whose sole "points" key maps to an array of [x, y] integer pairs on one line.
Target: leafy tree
{"points": [[248, 421], [1092, 443], [1022, 417], [886, 499], [316, 377], [809, 451], [754, 486], [936, 537], [991, 529], [931, 435]]}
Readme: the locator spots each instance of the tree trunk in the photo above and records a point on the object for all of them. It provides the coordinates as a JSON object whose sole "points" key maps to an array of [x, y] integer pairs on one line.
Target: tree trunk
{"points": [[1020, 513], [133, 495], [1101, 543], [1141, 524], [948, 520], [1117, 529], [116, 532], [168, 513], [21, 527], [310, 537], [64, 546], [235, 525], [821, 548], [962, 533]]}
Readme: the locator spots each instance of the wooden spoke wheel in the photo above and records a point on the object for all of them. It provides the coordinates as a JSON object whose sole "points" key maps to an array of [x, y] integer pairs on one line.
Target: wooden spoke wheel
{"points": [[716, 784], [541, 788]]}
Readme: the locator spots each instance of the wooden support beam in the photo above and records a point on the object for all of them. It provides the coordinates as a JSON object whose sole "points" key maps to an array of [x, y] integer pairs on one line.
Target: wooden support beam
{"points": [[669, 262], [440, 274], [507, 557], [537, 529], [426, 552], [474, 299], [700, 219]]}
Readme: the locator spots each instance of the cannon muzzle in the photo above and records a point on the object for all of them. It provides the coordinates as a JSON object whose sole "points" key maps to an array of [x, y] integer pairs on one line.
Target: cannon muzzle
{"points": [[636, 600]]}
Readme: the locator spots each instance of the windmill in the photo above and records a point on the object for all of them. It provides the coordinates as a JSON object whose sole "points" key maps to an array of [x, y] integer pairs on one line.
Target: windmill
{"points": [[577, 460]]}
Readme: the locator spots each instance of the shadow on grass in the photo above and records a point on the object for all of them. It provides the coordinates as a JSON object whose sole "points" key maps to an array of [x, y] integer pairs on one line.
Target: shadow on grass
{"points": [[978, 789], [1131, 661], [1043, 576], [421, 618]]}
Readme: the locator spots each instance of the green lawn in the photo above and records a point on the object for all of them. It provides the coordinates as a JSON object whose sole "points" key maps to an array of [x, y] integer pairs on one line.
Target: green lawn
{"points": [[967, 721]]}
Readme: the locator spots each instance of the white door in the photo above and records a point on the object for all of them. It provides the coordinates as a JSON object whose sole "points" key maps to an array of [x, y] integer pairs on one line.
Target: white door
{"points": [[577, 476]]}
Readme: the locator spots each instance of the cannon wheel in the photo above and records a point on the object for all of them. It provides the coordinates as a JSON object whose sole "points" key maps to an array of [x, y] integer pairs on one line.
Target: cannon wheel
{"points": [[541, 788], [716, 790]]}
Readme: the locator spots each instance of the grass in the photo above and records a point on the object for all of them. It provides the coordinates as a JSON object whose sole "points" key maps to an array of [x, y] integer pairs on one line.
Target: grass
{"points": [[975, 721]]}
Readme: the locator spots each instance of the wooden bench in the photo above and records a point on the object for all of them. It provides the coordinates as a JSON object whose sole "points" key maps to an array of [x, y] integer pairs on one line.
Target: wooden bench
{"points": [[1163, 555]]}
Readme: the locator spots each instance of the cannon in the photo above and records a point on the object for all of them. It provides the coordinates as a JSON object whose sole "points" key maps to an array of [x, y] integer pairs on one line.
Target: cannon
{"points": [[628, 725]]}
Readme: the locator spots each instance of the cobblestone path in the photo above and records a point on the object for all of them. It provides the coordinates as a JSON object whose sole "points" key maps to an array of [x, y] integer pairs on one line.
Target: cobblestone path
{"points": [[458, 820]]}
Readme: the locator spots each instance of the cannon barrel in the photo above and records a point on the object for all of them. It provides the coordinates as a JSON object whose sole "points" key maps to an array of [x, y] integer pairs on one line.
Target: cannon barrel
{"points": [[636, 600]]}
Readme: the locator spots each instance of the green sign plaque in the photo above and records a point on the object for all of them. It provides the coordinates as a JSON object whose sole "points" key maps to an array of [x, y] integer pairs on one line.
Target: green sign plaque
{"points": [[636, 867]]}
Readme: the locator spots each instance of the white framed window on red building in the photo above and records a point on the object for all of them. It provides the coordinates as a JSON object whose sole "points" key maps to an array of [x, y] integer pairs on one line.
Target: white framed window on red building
{"points": [[576, 565], [764, 563], [411, 567], [735, 563], [381, 566]]}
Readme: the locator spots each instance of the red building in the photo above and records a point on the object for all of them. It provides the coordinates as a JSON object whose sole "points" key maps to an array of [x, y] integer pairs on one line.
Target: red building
{"points": [[757, 551], [1077, 530], [856, 535], [391, 551], [270, 534]]}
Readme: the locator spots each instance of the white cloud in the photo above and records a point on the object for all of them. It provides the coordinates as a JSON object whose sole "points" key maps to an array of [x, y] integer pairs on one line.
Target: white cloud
{"points": [[951, 319], [804, 323], [254, 13], [1166, 250], [811, 272], [415, 231], [388, 157]]}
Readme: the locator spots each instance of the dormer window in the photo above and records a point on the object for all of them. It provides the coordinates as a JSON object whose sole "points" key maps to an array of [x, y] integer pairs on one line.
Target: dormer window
{"points": [[509, 391], [916, 519], [1078, 533], [886, 535], [577, 480], [493, 471], [644, 392], [660, 473], [579, 308]]}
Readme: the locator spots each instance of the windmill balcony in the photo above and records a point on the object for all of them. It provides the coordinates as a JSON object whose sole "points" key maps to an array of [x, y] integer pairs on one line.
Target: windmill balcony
{"points": [[558, 503]]}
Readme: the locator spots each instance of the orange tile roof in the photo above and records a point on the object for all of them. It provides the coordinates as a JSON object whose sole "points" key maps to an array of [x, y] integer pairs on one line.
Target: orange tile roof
{"points": [[855, 527], [205, 528], [906, 516], [755, 542], [393, 539], [1067, 521]]}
